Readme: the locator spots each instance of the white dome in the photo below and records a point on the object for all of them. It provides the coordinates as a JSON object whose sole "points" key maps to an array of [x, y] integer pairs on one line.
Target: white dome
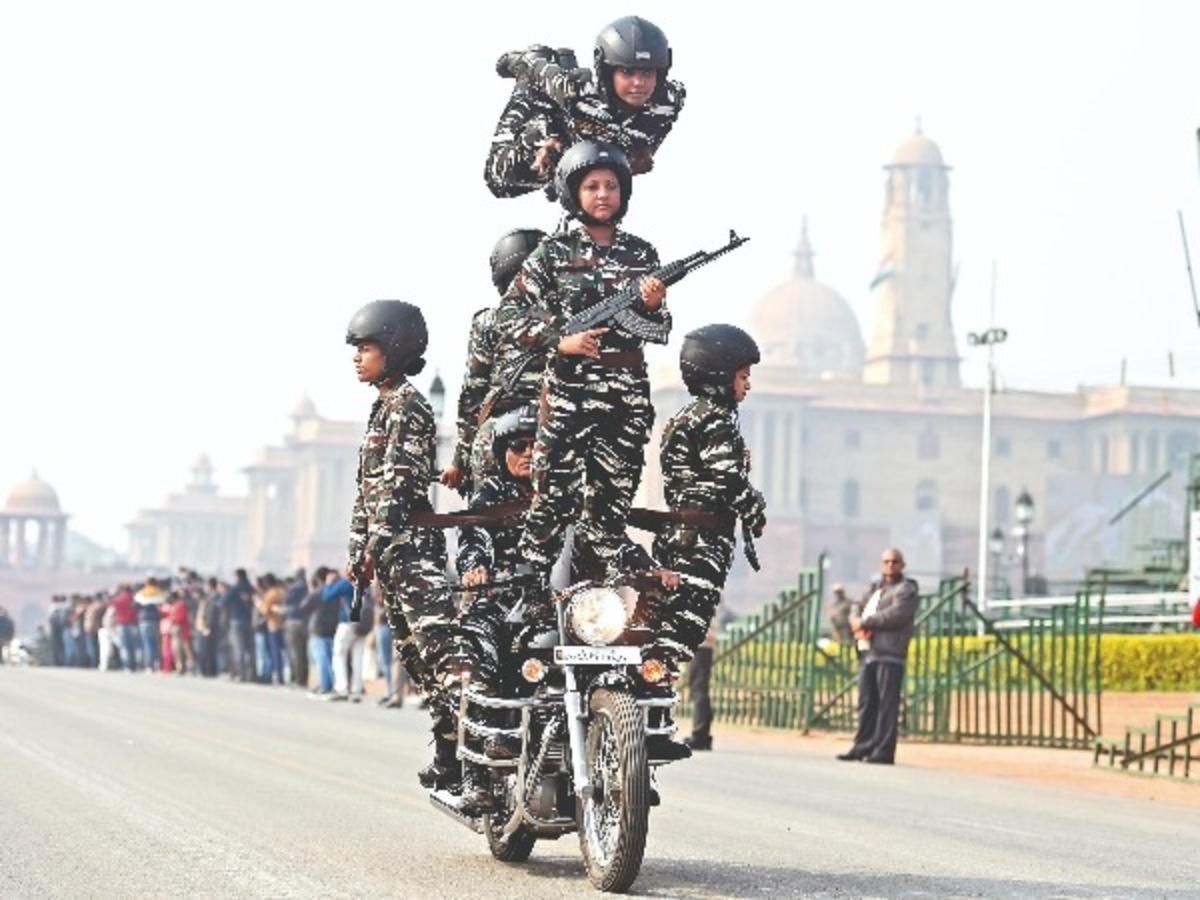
{"points": [[33, 496], [917, 150], [807, 325]]}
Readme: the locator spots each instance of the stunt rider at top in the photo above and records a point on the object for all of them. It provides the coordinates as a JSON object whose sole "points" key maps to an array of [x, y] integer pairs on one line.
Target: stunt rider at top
{"points": [[628, 102]]}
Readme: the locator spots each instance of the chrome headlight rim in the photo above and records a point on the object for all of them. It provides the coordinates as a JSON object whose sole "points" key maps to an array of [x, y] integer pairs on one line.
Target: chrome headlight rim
{"points": [[596, 615]]}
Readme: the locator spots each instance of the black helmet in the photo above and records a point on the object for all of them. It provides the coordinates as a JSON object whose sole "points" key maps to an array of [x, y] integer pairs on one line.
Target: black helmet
{"points": [[398, 328], [508, 254], [712, 354], [580, 159], [633, 43], [517, 423]]}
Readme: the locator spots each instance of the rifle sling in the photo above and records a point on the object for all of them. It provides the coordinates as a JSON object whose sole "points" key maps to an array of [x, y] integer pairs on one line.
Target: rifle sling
{"points": [[654, 519], [500, 514]]}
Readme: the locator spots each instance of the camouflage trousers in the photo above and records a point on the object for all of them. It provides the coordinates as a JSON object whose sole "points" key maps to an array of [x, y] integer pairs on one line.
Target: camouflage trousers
{"points": [[482, 628], [596, 430], [420, 612], [703, 559], [483, 460]]}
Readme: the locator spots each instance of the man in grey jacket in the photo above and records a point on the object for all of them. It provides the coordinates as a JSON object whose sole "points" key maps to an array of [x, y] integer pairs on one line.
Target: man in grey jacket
{"points": [[884, 621]]}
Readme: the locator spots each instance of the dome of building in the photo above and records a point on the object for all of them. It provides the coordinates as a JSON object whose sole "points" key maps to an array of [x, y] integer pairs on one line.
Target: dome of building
{"points": [[807, 325], [917, 150], [33, 497], [305, 409]]}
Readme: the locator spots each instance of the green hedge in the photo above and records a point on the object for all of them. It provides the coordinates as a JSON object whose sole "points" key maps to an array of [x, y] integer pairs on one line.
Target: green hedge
{"points": [[1150, 662]]}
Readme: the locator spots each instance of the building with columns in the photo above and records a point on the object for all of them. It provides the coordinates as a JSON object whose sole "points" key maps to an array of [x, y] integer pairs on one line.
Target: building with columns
{"points": [[33, 527], [295, 513], [197, 528], [859, 446]]}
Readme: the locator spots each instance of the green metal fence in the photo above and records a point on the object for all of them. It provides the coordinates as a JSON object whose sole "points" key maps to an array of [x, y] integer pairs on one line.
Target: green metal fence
{"points": [[1169, 748], [1033, 681]]}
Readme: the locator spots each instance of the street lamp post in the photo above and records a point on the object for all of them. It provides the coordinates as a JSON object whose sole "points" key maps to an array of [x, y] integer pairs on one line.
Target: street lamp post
{"points": [[1024, 514], [996, 547], [988, 339], [437, 397]]}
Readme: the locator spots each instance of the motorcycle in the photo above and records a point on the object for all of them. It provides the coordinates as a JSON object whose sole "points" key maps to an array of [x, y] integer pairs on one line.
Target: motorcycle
{"points": [[582, 706]]}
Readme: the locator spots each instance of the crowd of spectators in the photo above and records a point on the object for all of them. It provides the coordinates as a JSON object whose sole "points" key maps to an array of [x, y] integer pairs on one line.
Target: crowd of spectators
{"points": [[294, 630]]}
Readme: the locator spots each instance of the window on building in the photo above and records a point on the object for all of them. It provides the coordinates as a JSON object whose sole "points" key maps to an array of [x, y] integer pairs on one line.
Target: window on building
{"points": [[769, 476], [852, 568], [1152, 463], [1100, 458], [802, 499], [1001, 505], [1180, 445], [1053, 449], [1003, 446], [928, 372], [929, 445], [922, 331], [1135, 452], [926, 495], [850, 499], [853, 439]]}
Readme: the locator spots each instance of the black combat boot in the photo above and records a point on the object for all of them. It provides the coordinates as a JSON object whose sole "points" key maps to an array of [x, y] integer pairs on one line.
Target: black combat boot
{"points": [[476, 790], [445, 772]]}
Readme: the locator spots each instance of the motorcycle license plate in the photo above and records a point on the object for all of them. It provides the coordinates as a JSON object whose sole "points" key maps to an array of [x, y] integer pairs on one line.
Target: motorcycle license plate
{"points": [[598, 656]]}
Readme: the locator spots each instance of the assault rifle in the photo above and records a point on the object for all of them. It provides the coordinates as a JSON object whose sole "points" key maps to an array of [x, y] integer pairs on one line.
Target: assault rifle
{"points": [[620, 308]]}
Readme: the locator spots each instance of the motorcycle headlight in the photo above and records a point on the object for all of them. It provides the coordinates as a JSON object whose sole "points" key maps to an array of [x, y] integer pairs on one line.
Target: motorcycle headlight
{"points": [[597, 616]]}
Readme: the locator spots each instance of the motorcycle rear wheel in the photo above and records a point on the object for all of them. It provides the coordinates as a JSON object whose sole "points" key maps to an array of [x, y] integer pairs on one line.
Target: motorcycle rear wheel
{"points": [[614, 820]]}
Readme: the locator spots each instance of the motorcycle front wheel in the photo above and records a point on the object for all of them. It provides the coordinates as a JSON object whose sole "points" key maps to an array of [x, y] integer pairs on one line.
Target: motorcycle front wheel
{"points": [[614, 815]]}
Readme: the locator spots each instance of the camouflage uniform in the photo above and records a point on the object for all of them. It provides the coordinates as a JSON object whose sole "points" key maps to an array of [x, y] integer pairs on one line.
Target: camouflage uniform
{"points": [[554, 102], [596, 418], [705, 466], [396, 464], [496, 549], [528, 120], [491, 360], [477, 380]]}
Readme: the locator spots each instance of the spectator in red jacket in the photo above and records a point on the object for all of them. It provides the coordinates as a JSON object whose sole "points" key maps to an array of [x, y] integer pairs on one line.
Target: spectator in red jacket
{"points": [[181, 635], [125, 620]]}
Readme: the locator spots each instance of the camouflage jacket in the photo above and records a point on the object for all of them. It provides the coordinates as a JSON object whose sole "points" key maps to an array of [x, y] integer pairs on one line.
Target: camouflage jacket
{"points": [[395, 466], [477, 380], [567, 273], [492, 547], [591, 116], [705, 463], [528, 120]]}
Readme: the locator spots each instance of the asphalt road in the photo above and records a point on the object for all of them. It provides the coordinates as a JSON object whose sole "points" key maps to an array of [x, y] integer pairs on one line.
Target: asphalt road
{"points": [[118, 785]]}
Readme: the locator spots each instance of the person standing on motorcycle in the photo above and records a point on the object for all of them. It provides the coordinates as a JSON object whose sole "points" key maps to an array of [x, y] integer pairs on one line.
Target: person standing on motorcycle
{"points": [[482, 395], [396, 465], [596, 411], [705, 467], [629, 102]]}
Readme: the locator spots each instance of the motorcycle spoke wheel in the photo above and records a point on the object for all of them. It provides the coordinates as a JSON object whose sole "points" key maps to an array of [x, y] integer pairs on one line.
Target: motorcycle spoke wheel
{"points": [[614, 815]]}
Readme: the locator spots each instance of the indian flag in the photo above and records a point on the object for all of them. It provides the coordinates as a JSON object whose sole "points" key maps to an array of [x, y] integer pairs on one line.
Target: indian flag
{"points": [[886, 270]]}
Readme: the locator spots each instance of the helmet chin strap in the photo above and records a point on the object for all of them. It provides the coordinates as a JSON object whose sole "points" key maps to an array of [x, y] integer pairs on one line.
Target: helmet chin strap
{"points": [[588, 219]]}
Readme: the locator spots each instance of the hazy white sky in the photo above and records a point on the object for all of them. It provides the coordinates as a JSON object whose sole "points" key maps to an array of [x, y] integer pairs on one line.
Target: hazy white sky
{"points": [[194, 198]]}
